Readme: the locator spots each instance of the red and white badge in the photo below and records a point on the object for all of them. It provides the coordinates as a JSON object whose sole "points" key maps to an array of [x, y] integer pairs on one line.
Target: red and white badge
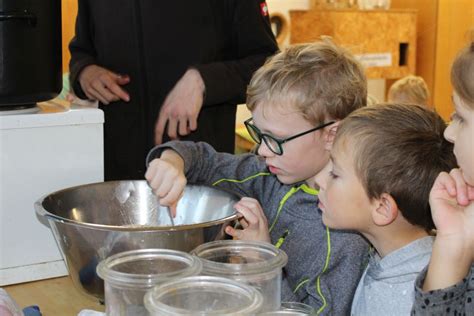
{"points": [[264, 8]]}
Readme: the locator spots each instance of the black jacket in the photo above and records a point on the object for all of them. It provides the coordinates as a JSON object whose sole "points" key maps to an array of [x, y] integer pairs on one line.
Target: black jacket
{"points": [[155, 42]]}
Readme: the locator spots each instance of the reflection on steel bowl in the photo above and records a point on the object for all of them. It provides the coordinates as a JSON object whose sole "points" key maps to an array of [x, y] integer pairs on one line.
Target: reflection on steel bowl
{"points": [[93, 221]]}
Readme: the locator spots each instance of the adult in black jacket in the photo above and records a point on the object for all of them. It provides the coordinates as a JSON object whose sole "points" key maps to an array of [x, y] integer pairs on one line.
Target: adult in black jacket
{"points": [[166, 69]]}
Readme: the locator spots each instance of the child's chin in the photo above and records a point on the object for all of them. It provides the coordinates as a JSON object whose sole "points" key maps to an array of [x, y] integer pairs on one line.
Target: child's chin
{"points": [[327, 222], [285, 179], [468, 177]]}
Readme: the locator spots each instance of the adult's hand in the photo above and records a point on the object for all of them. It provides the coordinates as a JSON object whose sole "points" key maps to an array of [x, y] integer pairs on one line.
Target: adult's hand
{"points": [[102, 84], [181, 107]]}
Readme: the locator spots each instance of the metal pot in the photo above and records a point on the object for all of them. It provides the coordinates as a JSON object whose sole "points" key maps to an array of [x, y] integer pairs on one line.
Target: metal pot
{"points": [[92, 222], [30, 51]]}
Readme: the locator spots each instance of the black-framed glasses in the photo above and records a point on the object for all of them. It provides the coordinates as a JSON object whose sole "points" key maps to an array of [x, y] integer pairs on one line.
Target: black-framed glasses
{"points": [[273, 143]]}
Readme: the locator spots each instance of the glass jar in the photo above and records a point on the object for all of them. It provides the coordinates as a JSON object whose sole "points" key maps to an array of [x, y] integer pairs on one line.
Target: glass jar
{"points": [[293, 309], [203, 295], [129, 275], [254, 263]]}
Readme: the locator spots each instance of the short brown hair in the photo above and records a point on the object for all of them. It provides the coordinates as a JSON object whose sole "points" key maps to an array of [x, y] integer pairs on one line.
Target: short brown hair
{"points": [[399, 149], [321, 80], [409, 89], [462, 74]]}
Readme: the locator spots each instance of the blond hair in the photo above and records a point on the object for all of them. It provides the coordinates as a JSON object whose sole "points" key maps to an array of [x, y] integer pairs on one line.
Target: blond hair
{"points": [[321, 80], [409, 89], [398, 149], [371, 100], [462, 74]]}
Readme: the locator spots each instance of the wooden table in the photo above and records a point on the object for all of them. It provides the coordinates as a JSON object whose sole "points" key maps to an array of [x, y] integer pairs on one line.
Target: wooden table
{"points": [[53, 296]]}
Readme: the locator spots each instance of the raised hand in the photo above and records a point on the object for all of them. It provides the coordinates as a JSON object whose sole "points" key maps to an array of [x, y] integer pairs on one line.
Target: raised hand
{"points": [[181, 107], [452, 209]]}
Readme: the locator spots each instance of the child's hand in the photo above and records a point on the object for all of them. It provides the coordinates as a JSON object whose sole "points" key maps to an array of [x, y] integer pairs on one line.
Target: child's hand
{"points": [[254, 222], [452, 208], [165, 175]]}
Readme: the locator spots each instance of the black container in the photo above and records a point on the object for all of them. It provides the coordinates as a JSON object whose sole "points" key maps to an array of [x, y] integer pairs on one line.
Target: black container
{"points": [[30, 51]]}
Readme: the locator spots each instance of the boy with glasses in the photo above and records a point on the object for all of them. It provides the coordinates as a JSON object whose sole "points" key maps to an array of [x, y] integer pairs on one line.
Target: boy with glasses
{"points": [[297, 100]]}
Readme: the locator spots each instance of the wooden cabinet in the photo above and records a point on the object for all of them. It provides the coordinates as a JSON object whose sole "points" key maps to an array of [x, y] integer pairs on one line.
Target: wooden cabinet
{"points": [[384, 40], [443, 29]]}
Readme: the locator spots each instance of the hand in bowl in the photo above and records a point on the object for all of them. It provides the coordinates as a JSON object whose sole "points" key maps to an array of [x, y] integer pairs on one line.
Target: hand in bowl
{"points": [[165, 175]]}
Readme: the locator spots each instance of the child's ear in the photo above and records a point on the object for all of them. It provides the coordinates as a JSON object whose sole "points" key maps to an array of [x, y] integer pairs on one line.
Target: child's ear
{"points": [[385, 210], [330, 135]]}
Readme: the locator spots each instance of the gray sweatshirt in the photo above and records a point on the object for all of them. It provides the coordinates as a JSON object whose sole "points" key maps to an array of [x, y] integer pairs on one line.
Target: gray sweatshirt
{"points": [[324, 265], [455, 300], [387, 286]]}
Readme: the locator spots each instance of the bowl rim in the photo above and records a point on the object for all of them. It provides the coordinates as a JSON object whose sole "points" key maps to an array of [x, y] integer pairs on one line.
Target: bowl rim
{"points": [[41, 211]]}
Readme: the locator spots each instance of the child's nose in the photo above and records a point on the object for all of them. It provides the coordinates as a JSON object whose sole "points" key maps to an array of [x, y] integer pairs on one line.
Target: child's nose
{"points": [[449, 133], [320, 179], [264, 151]]}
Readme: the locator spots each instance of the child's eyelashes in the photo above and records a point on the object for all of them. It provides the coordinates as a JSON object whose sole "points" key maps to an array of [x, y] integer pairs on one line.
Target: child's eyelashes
{"points": [[333, 175], [456, 117]]}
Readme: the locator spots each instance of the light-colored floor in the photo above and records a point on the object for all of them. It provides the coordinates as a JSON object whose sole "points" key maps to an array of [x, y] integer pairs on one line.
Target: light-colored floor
{"points": [[55, 297]]}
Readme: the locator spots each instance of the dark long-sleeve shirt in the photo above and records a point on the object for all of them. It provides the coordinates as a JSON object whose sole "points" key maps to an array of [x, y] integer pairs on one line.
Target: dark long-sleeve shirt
{"points": [[155, 42], [455, 300]]}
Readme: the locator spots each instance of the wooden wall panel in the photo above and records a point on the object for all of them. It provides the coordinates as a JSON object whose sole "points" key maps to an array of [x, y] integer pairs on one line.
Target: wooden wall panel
{"points": [[69, 12], [363, 32], [426, 37], [442, 30], [455, 19]]}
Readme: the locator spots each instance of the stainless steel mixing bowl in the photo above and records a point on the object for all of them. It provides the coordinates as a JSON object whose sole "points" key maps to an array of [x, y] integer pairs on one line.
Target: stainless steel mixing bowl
{"points": [[93, 221]]}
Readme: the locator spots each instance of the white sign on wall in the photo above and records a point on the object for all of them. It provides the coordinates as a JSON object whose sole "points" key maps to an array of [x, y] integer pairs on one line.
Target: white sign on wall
{"points": [[375, 60]]}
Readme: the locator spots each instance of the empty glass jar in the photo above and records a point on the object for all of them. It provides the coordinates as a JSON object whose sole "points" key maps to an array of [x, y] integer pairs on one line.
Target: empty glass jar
{"points": [[291, 309], [203, 295], [129, 275], [254, 263]]}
